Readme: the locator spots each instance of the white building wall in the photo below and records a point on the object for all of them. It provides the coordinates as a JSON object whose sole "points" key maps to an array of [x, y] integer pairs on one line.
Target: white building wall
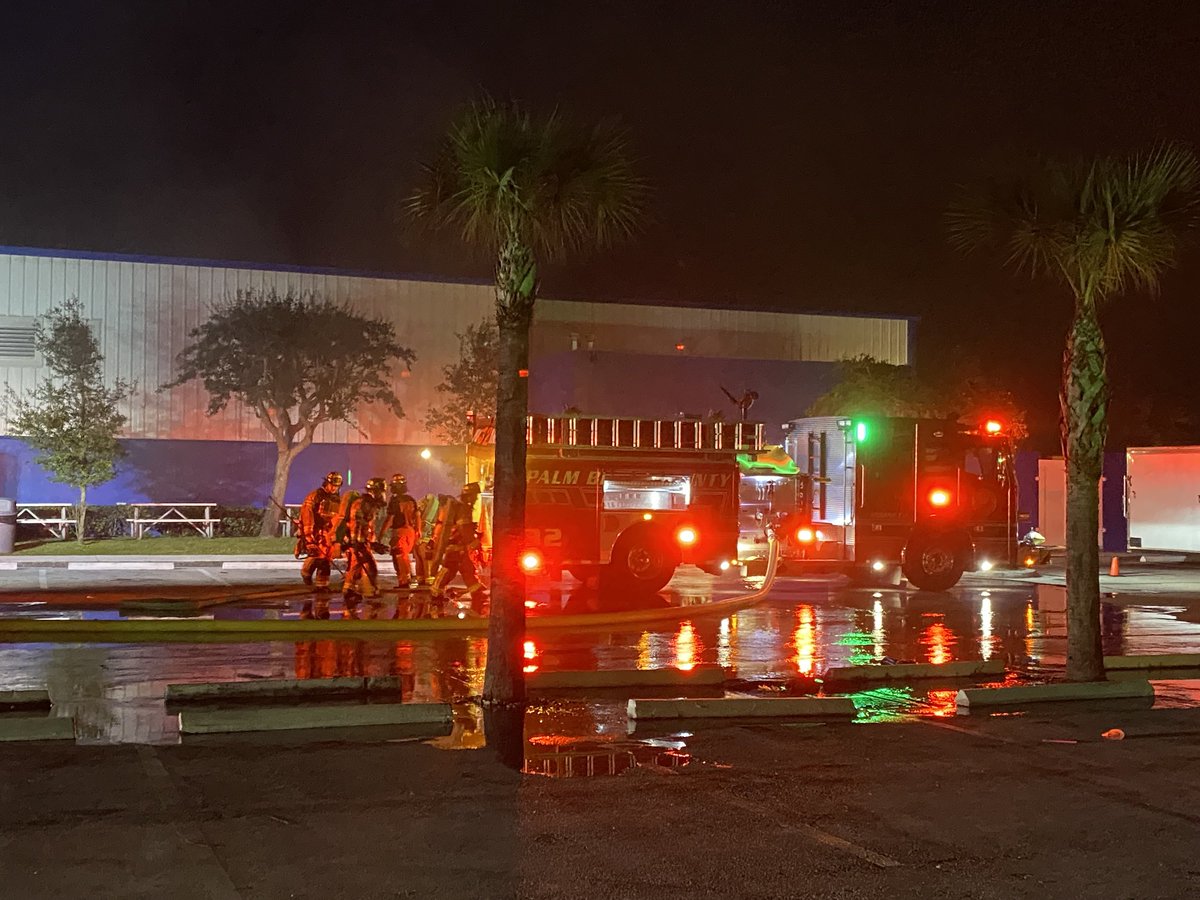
{"points": [[144, 310], [744, 334]]}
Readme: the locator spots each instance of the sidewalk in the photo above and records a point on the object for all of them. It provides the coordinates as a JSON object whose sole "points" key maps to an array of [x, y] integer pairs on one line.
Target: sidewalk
{"points": [[149, 562]]}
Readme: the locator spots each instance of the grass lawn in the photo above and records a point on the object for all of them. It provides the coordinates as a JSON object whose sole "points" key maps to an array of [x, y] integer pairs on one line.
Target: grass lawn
{"points": [[184, 545]]}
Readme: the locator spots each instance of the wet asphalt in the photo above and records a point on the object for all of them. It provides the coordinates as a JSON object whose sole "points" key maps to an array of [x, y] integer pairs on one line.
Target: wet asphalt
{"points": [[786, 643]]}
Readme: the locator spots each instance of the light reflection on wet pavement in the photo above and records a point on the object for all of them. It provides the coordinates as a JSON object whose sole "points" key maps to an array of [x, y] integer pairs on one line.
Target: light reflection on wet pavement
{"points": [[784, 644]]}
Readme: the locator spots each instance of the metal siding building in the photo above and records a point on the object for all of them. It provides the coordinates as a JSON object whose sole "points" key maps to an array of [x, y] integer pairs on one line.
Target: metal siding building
{"points": [[603, 358]]}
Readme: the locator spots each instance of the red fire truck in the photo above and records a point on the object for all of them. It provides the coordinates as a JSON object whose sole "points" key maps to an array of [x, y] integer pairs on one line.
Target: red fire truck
{"points": [[877, 496], [632, 498]]}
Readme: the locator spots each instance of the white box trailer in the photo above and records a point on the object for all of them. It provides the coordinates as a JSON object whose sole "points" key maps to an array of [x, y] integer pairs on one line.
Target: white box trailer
{"points": [[1052, 502], [1162, 497]]}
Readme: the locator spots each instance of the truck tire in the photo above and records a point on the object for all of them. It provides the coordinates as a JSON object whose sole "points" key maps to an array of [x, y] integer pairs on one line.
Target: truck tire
{"points": [[643, 560], [935, 560]]}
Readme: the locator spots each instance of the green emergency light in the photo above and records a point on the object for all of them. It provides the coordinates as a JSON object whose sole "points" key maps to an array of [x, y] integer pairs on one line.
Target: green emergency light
{"points": [[860, 431]]}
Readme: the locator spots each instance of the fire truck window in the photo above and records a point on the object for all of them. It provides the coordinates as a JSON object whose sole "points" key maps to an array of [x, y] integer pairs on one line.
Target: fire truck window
{"points": [[982, 462], [650, 492]]}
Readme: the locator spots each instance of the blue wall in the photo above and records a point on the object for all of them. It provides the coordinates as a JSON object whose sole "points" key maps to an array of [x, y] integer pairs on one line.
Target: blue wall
{"points": [[234, 473], [640, 385]]}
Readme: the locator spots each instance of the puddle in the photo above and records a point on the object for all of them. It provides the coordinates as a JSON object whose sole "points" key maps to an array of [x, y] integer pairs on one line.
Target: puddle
{"points": [[780, 647], [560, 756]]}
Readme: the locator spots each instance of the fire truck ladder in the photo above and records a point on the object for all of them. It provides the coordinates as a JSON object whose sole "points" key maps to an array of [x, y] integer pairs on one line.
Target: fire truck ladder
{"points": [[643, 434]]}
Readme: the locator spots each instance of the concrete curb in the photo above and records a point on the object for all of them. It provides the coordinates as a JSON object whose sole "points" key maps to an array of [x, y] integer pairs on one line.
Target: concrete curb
{"points": [[975, 698], [743, 708], [281, 689], [617, 678], [24, 700], [294, 718], [36, 728], [1153, 661], [154, 562], [967, 668]]}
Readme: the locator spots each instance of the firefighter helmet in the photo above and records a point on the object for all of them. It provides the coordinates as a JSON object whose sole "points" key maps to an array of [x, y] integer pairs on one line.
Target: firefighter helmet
{"points": [[399, 481], [334, 479], [375, 487], [473, 489]]}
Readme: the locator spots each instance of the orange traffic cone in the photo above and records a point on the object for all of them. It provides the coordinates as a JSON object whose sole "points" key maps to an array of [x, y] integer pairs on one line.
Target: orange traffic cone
{"points": [[1114, 568]]}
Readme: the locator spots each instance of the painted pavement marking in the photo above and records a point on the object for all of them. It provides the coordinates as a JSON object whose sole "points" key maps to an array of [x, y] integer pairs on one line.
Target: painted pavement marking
{"points": [[205, 864], [813, 833]]}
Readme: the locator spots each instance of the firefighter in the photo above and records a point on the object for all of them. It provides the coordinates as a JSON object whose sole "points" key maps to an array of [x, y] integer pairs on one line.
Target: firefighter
{"points": [[354, 532], [462, 543], [314, 538], [400, 527]]}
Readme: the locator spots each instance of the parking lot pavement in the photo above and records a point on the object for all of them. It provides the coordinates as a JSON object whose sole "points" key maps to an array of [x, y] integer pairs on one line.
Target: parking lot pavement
{"points": [[1019, 806]]}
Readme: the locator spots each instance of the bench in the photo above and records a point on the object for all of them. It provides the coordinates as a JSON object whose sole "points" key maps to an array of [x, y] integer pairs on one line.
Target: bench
{"points": [[148, 515], [57, 518]]}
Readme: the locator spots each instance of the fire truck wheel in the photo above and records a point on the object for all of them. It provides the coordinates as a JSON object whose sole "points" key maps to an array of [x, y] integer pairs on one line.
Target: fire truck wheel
{"points": [[934, 561], [643, 560]]}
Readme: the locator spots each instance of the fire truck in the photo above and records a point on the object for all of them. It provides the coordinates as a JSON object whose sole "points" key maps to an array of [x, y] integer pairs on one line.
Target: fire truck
{"points": [[627, 499], [878, 496]]}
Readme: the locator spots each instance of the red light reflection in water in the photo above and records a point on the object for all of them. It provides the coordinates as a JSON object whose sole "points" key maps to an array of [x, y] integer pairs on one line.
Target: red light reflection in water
{"points": [[805, 639], [938, 640], [942, 703], [530, 656], [685, 647]]}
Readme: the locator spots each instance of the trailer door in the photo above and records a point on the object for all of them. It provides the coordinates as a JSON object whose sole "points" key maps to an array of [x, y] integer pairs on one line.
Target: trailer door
{"points": [[1164, 498]]}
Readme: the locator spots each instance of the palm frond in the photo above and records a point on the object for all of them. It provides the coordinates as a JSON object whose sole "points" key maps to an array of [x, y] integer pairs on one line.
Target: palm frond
{"points": [[1102, 226], [561, 186]]}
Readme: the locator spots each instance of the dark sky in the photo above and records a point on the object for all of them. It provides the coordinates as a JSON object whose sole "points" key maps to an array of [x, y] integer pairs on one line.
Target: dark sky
{"points": [[801, 152]]}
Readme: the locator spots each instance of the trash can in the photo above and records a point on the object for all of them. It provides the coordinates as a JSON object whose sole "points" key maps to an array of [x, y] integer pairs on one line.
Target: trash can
{"points": [[8, 525]]}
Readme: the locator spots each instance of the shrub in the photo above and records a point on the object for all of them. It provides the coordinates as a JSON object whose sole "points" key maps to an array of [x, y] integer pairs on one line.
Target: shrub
{"points": [[238, 521]]}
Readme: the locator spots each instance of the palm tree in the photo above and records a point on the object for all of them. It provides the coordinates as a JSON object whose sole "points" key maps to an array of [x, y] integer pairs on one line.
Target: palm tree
{"points": [[1100, 228], [525, 187]]}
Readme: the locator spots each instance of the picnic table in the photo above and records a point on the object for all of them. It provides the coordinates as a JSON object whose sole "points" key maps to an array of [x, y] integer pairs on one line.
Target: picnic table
{"points": [[150, 515], [57, 518]]}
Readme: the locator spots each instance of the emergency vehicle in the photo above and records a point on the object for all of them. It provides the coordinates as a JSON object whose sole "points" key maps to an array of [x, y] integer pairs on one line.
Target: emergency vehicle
{"points": [[631, 499], [875, 496]]}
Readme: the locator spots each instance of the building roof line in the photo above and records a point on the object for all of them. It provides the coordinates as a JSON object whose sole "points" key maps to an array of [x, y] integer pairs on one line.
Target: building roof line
{"points": [[151, 259]]}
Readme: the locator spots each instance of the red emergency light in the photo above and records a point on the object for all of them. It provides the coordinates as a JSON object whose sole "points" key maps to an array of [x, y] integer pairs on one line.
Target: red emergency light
{"points": [[939, 498], [993, 426], [804, 535], [687, 536], [531, 561]]}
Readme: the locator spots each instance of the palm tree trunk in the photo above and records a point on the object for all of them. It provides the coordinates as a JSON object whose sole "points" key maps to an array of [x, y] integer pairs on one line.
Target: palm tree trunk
{"points": [[504, 680], [1085, 427], [275, 508]]}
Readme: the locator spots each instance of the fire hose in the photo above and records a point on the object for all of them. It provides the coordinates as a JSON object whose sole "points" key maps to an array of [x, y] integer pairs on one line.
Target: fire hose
{"points": [[236, 630]]}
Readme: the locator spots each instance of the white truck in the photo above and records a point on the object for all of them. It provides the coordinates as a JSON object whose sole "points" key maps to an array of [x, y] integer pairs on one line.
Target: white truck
{"points": [[1162, 498]]}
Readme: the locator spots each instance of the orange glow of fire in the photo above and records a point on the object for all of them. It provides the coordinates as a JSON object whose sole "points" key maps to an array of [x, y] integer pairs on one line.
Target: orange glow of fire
{"points": [[531, 653]]}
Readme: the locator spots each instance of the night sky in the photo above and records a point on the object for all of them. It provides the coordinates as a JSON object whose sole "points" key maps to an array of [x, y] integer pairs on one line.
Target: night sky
{"points": [[801, 152]]}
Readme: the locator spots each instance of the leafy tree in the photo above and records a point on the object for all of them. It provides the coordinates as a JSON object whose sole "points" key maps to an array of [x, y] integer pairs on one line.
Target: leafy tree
{"points": [[524, 187], [298, 361], [468, 384], [868, 387], [71, 418], [1100, 229]]}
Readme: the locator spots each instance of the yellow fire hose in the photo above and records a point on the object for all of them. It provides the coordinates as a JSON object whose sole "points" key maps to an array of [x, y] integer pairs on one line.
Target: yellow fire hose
{"points": [[233, 630]]}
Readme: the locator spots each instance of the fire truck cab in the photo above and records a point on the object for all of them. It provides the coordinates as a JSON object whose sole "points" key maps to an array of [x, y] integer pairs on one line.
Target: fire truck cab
{"points": [[628, 499], [932, 498]]}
